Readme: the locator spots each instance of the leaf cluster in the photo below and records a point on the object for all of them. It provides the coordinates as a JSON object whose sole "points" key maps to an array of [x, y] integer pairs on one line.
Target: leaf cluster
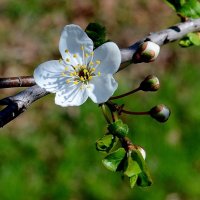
{"points": [[122, 156], [187, 9]]}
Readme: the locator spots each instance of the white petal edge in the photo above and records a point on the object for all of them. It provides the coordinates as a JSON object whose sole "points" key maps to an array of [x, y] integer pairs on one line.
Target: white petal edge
{"points": [[48, 76], [101, 88], [71, 96], [109, 56], [73, 38]]}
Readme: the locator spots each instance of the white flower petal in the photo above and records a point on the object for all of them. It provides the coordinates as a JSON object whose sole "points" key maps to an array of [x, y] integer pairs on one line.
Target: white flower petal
{"points": [[109, 56], [73, 38], [101, 88], [48, 75], [71, 96]]}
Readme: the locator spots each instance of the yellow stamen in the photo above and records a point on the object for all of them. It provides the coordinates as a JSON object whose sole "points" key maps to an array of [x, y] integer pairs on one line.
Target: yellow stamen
{"points": [[63, 74], [75, 56], [93, 69], [99, 73], [68, 81], [86, 55], [82, 47], [83, 67], [92, 53], [75, 82], [89, 78], [67, 59], [66, 68], [66, 51], [72, 74], [81, 78], [85, 71], [98, 62], [91, 63]]}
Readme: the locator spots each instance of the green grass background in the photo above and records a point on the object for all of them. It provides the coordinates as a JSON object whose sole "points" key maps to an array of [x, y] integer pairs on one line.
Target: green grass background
{"points": [[48, 152]]}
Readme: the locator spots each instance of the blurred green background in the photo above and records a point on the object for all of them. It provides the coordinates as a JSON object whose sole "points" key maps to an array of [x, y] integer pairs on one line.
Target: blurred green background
{"points": [[48, 153]]}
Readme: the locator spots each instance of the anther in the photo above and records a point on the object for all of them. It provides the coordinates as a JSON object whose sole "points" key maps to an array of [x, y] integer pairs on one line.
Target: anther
{"points": [[63, 74], [98, 62]]}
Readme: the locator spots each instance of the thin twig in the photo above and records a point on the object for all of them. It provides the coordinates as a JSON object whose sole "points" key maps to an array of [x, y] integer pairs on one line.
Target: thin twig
{"points": [[20, 81]]}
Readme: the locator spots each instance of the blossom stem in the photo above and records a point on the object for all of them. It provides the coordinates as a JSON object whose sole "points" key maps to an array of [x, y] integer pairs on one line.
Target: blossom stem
{"points": [[126, 94], [134, 113], [20, 81], [103, 108]]}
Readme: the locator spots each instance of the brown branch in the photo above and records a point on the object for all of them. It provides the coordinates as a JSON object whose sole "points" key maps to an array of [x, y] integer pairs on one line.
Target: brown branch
{"points": [[18, 103], [21, 81]]}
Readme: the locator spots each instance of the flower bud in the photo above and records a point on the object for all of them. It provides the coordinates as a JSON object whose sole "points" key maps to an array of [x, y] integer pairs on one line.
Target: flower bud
{"points": [[133, 147], [142, 151], [147, 52], [160, 112], [150, 83]]}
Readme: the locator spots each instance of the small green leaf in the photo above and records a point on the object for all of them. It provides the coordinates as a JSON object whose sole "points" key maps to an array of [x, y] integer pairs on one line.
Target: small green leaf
{"points": [[97, 33], [191, 9], [186, 8], [118, 128], [105, 143], [144, 179], [132, 168], [113, 160], [194, 38], [133, 180], [185, 42], [190, 39]]}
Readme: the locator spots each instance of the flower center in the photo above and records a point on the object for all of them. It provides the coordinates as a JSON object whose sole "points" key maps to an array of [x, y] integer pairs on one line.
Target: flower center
{"points": [[82, 72], [85, 74]]}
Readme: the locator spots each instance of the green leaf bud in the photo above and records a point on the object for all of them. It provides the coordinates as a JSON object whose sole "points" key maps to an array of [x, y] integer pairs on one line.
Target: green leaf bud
{"points": [[147, 52], [160, 112], [144, 179], [133, 180], [118, 128], [142, 151], [113, 160], [105, 143], [150, 83], [131, 166]]}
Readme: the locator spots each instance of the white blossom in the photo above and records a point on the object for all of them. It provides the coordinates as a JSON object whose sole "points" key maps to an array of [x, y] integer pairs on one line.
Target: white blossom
{"points": [[81, 72]]}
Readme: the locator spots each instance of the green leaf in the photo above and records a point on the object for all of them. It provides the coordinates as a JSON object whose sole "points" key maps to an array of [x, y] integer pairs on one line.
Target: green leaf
{"points": [[194, 38], [191, 9], [133, 180], [114, 159], [97, 33], [186, 8], [105, 143], [185, 42], [144, 179], [132, 168], [190, 39], [118, 128]]}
